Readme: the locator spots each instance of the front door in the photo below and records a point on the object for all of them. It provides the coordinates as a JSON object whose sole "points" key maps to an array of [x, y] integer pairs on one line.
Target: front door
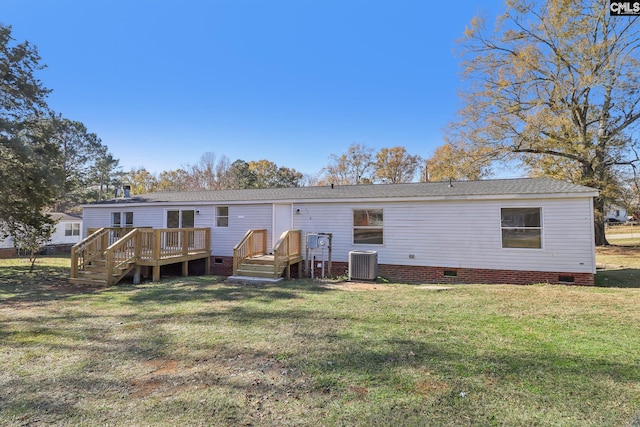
{"points": [[282, 221]]}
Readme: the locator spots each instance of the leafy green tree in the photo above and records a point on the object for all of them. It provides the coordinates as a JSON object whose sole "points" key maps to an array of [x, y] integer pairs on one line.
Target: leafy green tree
{"points": [[31, 234], [81, 156], [241, 176], [174, 180], [270, 175], [286, 177], [106, 174], [141, 181], [28, 171], [555, 80]]}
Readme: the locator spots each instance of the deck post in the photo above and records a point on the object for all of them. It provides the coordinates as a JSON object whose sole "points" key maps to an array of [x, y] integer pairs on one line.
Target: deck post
{"points": [[136, 275], [74, 263], [156, 273], [207, 265], [185, 268]]}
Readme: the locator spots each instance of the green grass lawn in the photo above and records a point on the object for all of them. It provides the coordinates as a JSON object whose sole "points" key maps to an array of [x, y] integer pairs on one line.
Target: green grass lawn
{"points": [[197, 351]]}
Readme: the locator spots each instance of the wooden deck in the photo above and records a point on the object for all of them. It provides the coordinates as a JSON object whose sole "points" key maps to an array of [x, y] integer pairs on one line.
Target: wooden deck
{"points": [[109, 254]]}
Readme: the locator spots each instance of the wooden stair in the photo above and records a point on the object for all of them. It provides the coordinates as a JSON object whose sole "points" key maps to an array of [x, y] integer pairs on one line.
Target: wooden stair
{"points": [[257, 268], [252, 263], [109, 254], [95, 273]]}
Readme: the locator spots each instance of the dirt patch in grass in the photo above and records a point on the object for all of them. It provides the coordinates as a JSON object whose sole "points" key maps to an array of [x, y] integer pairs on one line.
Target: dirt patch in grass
{"points": [[161, 373], [618, 250]]}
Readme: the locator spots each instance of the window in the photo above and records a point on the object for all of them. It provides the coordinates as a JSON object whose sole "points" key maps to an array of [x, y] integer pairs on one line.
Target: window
{"points": [[72, 229], [181, 219], [122, 219], [521, 228], [367, 226], [222, 216]]}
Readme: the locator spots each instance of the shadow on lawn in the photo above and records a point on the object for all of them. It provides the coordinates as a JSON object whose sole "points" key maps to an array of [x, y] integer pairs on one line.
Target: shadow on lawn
{"points": [[618, 278], [17, 284], [213, 288]]}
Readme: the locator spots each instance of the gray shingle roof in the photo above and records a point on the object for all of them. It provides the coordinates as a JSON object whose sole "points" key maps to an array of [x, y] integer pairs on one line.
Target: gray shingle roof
{"points": [[499, 187], [65, 216]]}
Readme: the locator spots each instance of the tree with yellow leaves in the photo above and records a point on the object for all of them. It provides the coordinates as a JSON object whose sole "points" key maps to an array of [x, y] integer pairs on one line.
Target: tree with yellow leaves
{"points": [[395, 165], [556, 81]]}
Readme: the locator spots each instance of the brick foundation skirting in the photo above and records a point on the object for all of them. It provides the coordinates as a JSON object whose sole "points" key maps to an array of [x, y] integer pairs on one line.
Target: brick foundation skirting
{"points": [[223, 266], [7, 252], [420, 274]]}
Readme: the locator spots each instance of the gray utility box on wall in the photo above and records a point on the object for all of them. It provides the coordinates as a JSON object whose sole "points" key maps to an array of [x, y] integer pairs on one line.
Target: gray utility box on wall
{"points": [[363, 265]]}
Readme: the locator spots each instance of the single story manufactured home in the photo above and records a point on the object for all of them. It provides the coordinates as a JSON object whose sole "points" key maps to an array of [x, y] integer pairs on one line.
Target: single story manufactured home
{"points": [[67, 232], [520, 231]]}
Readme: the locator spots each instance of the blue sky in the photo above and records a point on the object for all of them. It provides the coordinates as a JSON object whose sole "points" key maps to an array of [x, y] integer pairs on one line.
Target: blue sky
{"points": [[162, 82]]}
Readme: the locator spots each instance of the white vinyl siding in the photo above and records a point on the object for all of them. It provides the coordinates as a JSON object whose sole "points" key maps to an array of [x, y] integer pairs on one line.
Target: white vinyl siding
{"points": [[60, 236], [461, 234], [443, 233]]}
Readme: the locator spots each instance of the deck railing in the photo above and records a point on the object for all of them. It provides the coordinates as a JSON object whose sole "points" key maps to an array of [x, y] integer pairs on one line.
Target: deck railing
{"points": [[173, 242], [252, 244], [288, 247], [89, 249], [123, 246], [122, 255]]}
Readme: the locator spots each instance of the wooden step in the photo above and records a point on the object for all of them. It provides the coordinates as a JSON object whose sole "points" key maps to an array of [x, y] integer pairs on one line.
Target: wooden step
{"points": [[258, 267], [87, 281], [260, 260], [255, 273], [93, 274], [253, 280]]}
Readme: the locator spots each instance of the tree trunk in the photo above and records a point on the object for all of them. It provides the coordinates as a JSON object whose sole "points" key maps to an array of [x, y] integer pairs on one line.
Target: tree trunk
{"points": [[598, 222], [601, 239]]}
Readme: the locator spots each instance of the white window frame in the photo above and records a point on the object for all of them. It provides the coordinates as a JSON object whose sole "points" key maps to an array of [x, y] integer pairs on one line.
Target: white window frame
{"points": [[371, 227], [180, 217], [522, 227], [123, 219], [72, 229], [221, 217]]}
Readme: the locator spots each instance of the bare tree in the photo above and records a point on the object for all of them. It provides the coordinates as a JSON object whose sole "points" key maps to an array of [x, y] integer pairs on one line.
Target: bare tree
{"points": [[355, 166]]}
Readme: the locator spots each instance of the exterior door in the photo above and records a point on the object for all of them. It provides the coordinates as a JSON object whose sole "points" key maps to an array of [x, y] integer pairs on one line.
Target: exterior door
{"points": [[179, 219], [282, 221]]}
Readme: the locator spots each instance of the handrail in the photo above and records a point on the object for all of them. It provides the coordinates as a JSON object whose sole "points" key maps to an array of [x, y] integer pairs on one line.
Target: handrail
{"points": [[89, 249], [121, 254], [253, 243], [287, 247]]}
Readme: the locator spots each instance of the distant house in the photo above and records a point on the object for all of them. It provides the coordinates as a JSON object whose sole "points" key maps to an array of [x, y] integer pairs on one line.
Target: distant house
{"points": [[68, 230], [7, 248], [495, 231], [617, 214], [67, 233]]}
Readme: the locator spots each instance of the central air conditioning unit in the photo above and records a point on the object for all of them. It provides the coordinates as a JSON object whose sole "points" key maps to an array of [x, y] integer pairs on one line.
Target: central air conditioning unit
{"points": [[363, 265]]}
